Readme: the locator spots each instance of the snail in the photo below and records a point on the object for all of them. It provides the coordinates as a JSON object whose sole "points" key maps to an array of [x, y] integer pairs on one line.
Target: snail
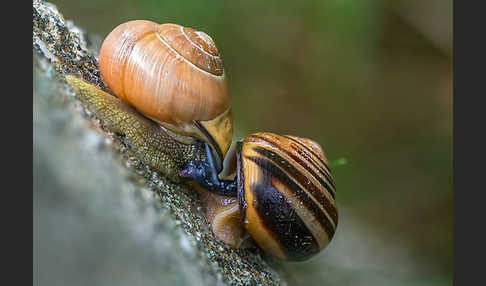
{"points": [[169, 101], [285, 194], [171, 93]]}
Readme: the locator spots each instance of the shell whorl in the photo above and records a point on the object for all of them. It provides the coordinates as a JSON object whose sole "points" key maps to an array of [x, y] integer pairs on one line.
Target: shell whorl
{"points": [[169, 73], [287, 195], [195, 46], [302, 152]]}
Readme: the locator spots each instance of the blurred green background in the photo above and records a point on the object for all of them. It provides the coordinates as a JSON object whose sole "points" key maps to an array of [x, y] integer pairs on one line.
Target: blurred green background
{"points": [[371, 81]]}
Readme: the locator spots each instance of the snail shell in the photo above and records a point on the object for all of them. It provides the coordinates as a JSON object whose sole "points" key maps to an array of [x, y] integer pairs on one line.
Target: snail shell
{"points": [[286, 195], [173, 75]]}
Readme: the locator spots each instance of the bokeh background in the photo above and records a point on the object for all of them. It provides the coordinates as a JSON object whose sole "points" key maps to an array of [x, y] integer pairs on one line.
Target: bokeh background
{"points": [[371, 81]]}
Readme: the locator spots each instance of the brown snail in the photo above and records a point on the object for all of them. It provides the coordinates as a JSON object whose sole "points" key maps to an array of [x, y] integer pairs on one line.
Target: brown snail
{"points": [[174, 77], [172, 107], [285, 193]]}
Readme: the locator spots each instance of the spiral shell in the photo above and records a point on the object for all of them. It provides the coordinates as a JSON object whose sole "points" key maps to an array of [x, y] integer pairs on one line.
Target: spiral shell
{"points": [[171, 74], [286, 195]]}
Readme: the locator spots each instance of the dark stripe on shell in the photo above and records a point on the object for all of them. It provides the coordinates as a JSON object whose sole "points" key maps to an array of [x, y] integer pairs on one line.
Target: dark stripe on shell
{"points": [[312, 151], [304, 182], [278, 216], [240, 182], [327, 171], [299, 161], [270, 169]]}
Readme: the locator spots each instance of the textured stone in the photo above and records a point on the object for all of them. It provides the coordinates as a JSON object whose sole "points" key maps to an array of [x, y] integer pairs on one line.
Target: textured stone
{"points": [[100, 216]]}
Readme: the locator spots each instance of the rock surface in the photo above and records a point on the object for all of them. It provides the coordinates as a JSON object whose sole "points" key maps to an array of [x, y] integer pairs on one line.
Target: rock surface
{"points": [[100, 216]]}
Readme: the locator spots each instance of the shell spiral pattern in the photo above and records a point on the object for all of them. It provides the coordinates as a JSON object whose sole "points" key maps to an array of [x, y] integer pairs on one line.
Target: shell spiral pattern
{"points": [[286, 193], [170, 73]]}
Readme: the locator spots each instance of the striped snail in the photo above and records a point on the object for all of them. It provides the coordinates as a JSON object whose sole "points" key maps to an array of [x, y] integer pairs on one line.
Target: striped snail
{"points": [[285, 194], [172, 107], [171, 93]]}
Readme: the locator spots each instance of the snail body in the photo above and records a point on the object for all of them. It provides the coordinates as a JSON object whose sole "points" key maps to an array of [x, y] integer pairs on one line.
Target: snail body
{"points": [[285, 194], [153, 145]]}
